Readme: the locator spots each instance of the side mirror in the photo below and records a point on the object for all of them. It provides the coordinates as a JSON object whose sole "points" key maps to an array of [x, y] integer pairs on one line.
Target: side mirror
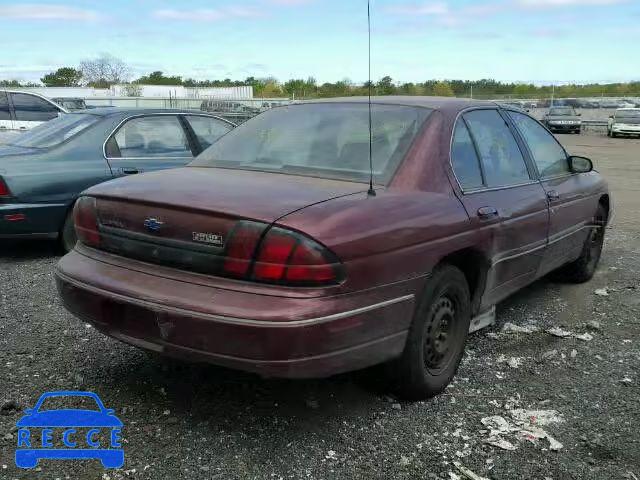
{"points": [[579, 114], [580, 164]]}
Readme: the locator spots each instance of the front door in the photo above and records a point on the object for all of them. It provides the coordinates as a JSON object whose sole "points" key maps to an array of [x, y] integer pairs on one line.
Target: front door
{"points": [[503, 200], [31, 110], [6, 123], [145, 143], [571, 209]]}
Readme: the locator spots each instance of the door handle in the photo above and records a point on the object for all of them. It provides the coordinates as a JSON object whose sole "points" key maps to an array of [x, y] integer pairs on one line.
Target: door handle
{"points": [[129, 170], [553, 195], [487, 213]]}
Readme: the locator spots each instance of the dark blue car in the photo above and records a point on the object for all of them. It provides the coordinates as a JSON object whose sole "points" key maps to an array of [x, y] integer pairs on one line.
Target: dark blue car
{"points": [[36, 432], [43, 171]]}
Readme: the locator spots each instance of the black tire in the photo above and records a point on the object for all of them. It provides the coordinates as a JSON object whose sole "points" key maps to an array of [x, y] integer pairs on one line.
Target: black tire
{"points": [[437, 337], [67, 237], [583, 269]]}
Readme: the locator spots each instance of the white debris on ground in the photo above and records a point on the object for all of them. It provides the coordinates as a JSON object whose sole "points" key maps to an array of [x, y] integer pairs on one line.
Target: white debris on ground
{"points": [[513, 362], [513, 328], [525, 425], [466, 473], [559, 332], [603, 292]]}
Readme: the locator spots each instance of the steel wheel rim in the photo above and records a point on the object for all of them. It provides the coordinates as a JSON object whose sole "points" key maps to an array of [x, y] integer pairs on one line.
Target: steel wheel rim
{"points": [[441, 335]]}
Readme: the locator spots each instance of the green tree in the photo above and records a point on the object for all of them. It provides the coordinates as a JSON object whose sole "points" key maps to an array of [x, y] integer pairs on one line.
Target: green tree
{"points": [[158, 78], [443, 89], [63, 77], [385, 86]]}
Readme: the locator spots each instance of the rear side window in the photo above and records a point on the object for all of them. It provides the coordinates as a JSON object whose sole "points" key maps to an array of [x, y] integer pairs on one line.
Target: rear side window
{"points": [[4, 107], [29, 108], [464, 159], [549, 156], [154, 136], [502, 160], [207, 129]]}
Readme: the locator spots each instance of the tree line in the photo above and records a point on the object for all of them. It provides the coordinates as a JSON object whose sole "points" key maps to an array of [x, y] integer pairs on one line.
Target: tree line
{"points": [[106, 71]]}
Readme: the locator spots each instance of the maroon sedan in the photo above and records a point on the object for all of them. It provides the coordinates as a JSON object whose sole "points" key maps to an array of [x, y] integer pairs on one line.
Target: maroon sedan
{"points": [[269, 253]]}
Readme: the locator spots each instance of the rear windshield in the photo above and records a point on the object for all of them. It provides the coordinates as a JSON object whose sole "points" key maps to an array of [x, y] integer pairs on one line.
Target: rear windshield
{"points": [[328, 140], [55, 131]]}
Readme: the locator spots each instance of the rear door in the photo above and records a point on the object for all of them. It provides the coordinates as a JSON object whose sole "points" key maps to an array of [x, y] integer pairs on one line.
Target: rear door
{"points": [[31, 110], [571, 208], [505, 202], [144, 143], [6, 122]]}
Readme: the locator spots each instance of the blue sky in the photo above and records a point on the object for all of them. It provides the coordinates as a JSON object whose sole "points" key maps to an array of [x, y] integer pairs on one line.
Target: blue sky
{"points": [[514, 40]]}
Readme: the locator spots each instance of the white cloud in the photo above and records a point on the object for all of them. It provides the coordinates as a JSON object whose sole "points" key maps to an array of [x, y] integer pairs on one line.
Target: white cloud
{"points": [[35, 11], [206, 14]]}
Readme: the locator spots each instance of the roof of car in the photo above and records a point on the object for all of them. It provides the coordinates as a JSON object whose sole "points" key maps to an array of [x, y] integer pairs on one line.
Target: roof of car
{"points": [[633, 109], [436, 103], [105, 111]]}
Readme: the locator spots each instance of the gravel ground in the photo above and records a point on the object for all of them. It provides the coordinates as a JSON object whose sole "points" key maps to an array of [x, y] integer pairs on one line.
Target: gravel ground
{"points": [[195, 421]]}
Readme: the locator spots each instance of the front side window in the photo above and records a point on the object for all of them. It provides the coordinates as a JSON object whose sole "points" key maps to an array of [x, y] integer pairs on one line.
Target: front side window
{"points": [[502, 160], [152, 136], [549, 156], [329, 140], [4, 107], [464, 159], [207, 129], [29, 108], [55, 132]]}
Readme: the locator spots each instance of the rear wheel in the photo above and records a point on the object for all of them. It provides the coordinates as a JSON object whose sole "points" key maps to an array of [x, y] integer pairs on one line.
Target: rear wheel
{"points": [[67, 238], [436, 339], [583, 269]]}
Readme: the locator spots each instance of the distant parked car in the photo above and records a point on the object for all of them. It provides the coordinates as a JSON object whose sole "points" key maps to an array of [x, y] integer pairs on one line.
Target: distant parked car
{"points": [[43, 171], [70, 103], [625, 121], [272, 252], [562, 119], [21, 110]]}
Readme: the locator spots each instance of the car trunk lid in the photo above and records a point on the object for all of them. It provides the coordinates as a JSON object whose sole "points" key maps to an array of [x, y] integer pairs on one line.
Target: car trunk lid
{"points": [[185, 217]]}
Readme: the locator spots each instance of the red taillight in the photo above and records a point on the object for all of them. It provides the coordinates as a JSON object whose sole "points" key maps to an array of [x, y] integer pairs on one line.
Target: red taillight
{"points": [[85, 218], [275, 251], [282, 257], [4, 190], [240, 249]]}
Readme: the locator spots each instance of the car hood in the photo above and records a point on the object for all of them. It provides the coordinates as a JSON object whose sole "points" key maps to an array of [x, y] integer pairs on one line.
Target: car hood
{"points": [[69, 418], [252, 195]]}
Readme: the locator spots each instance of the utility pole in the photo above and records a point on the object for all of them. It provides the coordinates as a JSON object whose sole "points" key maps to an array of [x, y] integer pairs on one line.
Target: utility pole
{"points": [[472, 91]]}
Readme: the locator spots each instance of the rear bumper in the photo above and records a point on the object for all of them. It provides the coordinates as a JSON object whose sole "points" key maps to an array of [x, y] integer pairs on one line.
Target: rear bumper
{"points": [[272, 336], [40, 220]]}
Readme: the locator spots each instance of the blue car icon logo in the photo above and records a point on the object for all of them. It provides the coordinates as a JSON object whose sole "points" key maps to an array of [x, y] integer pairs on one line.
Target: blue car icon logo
{"points": [[69, 433]]}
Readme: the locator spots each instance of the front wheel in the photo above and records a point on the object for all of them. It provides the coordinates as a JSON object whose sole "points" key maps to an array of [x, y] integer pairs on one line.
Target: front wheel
{"points": [[583, 269], [436, 339]]}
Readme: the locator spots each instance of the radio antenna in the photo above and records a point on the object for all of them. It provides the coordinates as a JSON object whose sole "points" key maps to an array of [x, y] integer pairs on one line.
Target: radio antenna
{"points": [[371, 191]]}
